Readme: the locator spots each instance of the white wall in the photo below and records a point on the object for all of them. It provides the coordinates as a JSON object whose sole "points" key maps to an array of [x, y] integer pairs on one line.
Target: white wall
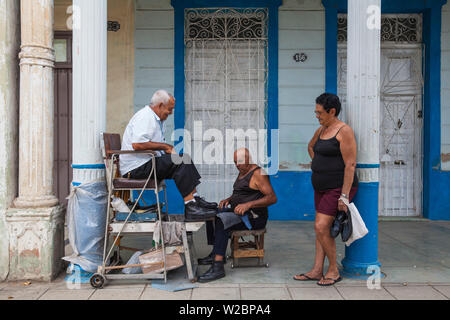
{"points": [[154, 52], [445, 88], [302, 29]]}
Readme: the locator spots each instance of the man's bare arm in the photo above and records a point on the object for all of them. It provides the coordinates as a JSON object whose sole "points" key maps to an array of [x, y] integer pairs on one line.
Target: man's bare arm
{"points": [[152, 146], [224, 203]]}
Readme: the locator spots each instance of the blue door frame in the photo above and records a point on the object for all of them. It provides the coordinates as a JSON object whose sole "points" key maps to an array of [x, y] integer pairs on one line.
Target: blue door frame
{"points": [[436, 201]]}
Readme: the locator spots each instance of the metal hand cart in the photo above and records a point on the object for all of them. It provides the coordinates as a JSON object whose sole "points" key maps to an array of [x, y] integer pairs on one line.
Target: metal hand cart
{"points": [[117, 229]]}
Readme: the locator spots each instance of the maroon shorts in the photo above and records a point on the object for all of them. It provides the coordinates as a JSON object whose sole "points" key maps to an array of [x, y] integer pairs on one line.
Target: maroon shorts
{"points": [[326, 201]]}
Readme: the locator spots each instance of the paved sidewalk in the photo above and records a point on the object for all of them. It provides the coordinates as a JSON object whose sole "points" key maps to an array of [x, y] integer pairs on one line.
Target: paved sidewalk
{"points": [[57, 290], [414, 256]]}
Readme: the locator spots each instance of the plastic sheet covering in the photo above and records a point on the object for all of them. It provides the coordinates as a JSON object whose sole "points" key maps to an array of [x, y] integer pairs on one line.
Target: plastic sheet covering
{"points": [[86, 219], [133, 260]]}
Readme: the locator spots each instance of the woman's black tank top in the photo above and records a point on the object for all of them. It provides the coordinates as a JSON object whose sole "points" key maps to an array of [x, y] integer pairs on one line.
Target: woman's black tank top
{"points": [[328, 165], [242, 193]]}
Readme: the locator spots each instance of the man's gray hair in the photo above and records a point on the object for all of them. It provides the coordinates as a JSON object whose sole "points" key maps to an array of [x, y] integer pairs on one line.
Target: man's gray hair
{"points": [[161, 96]]}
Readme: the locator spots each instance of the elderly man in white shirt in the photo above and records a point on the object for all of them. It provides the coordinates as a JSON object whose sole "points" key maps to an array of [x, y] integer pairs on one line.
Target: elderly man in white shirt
{"points": [[145, 131]]}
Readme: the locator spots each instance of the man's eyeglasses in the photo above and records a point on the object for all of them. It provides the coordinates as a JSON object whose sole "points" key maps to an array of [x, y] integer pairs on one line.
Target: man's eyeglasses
{"points": [[318, 113]]}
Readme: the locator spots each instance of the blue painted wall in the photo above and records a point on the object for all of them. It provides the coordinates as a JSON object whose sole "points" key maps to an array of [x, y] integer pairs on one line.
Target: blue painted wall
{"points": [[439, 203], [295, 196]]}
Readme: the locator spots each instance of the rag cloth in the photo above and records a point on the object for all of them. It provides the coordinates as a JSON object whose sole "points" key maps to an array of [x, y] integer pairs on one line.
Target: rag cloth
{"points": [[229, 219], [171, 232]]}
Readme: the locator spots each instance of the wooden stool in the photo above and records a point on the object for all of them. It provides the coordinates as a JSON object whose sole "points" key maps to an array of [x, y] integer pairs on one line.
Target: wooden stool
{"points": [[248, 249]]}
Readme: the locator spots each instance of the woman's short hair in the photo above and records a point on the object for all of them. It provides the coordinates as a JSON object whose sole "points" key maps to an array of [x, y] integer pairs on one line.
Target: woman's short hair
{"points": [[329, 101], [161, 96]]}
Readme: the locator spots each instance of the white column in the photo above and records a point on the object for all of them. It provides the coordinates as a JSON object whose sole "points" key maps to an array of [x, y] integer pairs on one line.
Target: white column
{"points": [[36, 106], [36, 222], [9, 106], [363, 81], [89, 88]]}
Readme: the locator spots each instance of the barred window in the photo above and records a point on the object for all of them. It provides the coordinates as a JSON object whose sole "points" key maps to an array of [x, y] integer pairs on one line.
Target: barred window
{"points": [[225, 23], [400, 28]]}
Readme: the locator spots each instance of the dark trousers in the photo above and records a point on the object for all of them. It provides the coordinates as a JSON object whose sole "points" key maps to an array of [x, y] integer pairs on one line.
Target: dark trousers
{"points": [[221, 235], [185, 175]]}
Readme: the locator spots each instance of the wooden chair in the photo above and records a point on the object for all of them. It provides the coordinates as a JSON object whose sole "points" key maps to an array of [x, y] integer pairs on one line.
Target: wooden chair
{"points": [[248, 249]]}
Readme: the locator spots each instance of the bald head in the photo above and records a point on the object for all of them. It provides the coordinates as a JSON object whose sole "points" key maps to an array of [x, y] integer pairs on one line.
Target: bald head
{"points": [[242, 156], [243, 161]]}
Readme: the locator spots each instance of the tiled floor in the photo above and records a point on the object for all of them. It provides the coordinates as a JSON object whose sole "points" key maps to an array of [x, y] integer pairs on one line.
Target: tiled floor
{"points": [[415, 257]]}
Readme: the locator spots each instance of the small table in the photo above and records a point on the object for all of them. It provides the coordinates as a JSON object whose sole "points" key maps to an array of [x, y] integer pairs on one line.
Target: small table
{"points": [[149, 228]]}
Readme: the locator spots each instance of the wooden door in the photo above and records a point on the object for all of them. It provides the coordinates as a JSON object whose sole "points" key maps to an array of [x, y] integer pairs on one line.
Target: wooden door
{"points": [[62, 171]]}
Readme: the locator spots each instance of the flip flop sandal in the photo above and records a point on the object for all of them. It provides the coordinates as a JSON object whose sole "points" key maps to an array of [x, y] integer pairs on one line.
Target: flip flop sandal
{"points": [[329, 284], [307, 278]]}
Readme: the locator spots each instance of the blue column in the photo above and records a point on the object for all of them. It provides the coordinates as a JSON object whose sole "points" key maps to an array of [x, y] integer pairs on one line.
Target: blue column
{"points": [[432, 201], [331, 47], [363, 253]]}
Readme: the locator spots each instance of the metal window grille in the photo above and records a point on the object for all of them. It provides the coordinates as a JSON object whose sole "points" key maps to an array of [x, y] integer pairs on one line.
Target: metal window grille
{"points": [[399, 28], [225, 84]]}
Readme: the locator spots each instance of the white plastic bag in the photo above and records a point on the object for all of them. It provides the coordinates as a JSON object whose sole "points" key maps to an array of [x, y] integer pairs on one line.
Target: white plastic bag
{"points": [[133, 260], [119, 205], [358, 225]]}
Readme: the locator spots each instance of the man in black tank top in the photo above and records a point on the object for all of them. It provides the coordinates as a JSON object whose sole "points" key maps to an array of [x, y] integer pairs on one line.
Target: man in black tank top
{"points": [[252, 194]]}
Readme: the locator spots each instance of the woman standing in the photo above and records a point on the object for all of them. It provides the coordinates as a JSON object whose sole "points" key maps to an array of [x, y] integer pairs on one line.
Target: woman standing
{"points": [[333, 153]]}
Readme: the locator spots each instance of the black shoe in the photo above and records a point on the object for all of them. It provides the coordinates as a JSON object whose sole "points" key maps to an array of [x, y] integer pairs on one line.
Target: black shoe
{"points": [[194, 211], [346, 227], [216, 271], [209, 259], [206, 204], [336, 226]]}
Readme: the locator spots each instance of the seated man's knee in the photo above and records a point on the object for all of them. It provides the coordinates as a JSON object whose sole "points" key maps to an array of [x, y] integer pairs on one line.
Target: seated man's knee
{"points": [[176, 158], [186, 159], [219, 225]]}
